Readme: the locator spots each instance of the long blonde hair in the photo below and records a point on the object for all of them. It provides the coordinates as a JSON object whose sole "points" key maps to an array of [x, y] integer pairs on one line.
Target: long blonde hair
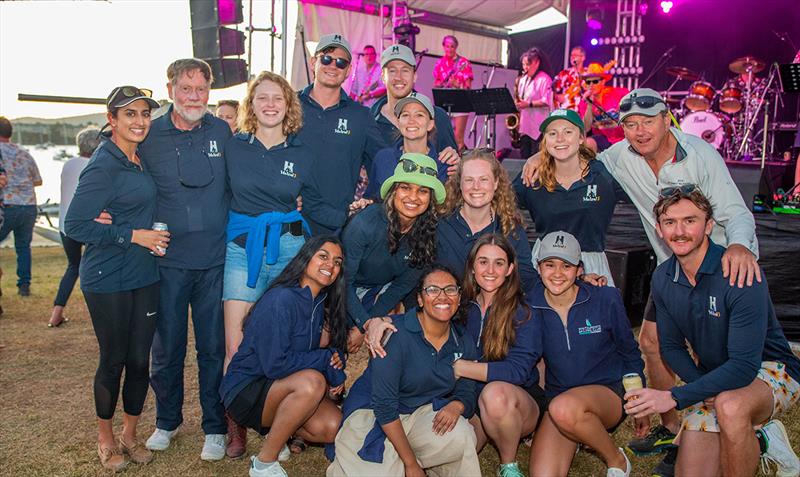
{"points": [[292, 122], [547, 166], [504, 202]]}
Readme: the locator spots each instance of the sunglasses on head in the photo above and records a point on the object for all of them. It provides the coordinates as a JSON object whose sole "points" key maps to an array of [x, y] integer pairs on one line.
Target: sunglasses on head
{"points": [[341, 63], [592, 81], [131, 92], [645, 102], [411, 166], [684, 189]]}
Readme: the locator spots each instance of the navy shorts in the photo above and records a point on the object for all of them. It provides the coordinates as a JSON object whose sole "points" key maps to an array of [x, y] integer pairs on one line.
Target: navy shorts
{"points": [[248, 406]]}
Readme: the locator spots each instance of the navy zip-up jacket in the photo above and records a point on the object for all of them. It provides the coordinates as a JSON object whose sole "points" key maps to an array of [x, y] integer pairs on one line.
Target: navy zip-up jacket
{"points": [[281, 337], [111, 262], [455, 240], [445, 137], [343, 138], [369, 264], [596, 346], [519, 365], [730, 329], [383, 166]]}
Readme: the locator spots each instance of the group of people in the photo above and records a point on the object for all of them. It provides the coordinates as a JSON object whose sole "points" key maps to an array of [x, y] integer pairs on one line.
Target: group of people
{"points": [[287, 275]]}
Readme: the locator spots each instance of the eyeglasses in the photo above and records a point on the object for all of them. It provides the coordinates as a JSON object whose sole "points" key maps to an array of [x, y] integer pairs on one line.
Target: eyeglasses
{"points": [[433, 291], [411, 166], [199, 176], [341, 63], [645, 102], [684, 189], [590, 82]]}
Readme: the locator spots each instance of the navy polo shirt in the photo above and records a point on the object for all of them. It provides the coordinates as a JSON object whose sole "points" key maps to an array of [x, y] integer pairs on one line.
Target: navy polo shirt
{"points": [[343, 138], [391, 135], [731, 330], [414, 374], [455, 240], [189, 170], [383, 167], [111, 262], [585, 210]]}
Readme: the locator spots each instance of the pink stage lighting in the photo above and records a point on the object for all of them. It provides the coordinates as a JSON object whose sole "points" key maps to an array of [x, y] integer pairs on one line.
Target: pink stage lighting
{"points": [[666, 6]]}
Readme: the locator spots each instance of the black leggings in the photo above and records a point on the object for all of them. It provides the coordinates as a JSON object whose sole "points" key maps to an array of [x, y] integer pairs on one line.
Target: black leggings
{"points": [[124, 323], [73, 249]]}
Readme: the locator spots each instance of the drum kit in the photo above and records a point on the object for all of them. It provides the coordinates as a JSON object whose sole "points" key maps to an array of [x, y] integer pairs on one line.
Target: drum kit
{"points": [[725, 117]]}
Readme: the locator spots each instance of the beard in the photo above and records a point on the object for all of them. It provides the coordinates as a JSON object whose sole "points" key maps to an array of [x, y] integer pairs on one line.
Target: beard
{"points": [[190, 115]]}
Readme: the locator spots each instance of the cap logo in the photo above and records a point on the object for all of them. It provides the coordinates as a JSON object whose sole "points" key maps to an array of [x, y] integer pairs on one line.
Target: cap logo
{"points": [[559, 242], [337, 38], [395, 49], [559, 112]]}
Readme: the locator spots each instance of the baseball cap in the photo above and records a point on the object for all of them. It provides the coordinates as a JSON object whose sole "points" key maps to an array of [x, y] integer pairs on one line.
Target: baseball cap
{"points": [[561, 245], [414, 97], [565, 114], [419, 169], [335, 40], [644, 101], [398, 52], [122, 96]]}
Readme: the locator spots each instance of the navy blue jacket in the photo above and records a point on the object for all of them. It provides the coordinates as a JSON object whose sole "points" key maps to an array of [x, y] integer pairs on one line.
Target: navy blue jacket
{"points": [[196, 216], [111, 262], [281, 337], [519, 365], [455, 240], [383, 167], [343, 138], [369, 264], [585, 210], [731, 330], [445, 137], [596, 346]]}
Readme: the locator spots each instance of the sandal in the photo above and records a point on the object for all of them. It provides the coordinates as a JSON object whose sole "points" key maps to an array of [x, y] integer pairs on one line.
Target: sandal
{"points": [[56, 325], [111, 458], [297, 445]]}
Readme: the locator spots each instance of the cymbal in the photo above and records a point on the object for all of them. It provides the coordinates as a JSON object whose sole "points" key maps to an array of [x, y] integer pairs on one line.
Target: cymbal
{"points": [[741, 65], [682, 73]]}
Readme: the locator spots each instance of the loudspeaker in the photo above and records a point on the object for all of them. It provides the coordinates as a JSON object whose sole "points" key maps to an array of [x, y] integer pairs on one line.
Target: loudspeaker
{"points": [[227, 72], [632, 270], [206, 13], [749, 180], [213, 42], [216, 42]]}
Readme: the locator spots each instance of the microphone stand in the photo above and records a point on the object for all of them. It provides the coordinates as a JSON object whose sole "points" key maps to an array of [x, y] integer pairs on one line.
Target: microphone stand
{"points": [[662, 62]]}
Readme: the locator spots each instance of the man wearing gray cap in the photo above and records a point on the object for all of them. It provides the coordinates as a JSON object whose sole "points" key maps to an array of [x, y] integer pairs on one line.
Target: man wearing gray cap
{"points": [[654, 156]]}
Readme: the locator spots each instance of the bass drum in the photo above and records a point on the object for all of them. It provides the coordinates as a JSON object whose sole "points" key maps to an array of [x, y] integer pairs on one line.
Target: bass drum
{"points": [[713, 128]]}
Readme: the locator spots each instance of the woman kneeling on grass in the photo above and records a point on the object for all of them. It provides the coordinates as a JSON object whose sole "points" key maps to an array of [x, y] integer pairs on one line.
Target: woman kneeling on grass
{"points": [[291, 356], [499, 322], [587, 345], [404, 414]]}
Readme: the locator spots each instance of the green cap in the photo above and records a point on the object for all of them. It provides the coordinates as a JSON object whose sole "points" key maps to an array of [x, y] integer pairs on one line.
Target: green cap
{"points": [[565, 114], [419, 169]]}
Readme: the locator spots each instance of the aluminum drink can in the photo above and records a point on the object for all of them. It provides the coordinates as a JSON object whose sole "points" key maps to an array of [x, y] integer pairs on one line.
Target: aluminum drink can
{"points": [[632, 382], [160, 226]]}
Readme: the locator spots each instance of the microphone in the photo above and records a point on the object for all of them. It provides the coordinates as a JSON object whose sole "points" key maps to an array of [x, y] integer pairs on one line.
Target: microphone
{"points": [[669, 52], [361, 54]]}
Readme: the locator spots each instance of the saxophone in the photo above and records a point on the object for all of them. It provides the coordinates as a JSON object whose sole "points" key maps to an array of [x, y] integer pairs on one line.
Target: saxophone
{"points": [[512, 120]]}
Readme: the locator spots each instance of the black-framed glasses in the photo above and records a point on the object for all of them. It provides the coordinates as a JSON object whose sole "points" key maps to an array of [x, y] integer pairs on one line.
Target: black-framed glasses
{"points": [[341, 63], [590, 82], [434, 291], [411, 166], [197, 178], [684, 189], [645, 102]]}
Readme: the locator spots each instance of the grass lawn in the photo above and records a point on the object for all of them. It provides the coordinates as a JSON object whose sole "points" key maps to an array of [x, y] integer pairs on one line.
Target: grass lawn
{"points": [[47, 420]]}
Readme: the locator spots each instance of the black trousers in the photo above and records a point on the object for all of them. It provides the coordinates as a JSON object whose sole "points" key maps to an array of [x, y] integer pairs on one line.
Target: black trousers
{"points": [[73, 249], [124, 323], [528, 146]]}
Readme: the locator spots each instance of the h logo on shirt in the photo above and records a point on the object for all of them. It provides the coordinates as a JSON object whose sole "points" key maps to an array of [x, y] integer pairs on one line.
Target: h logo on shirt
{"points": [[712, 306], [591, 194], [342, 127], [288, 169], [213, 150]]}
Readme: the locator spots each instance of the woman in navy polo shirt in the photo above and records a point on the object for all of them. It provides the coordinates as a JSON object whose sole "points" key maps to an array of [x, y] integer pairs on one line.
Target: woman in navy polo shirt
{"points": [[588, 346], [118, 271], [499, 323], [415, 116], [480, 201], [574, 192], [412, 397], [292, 355], [388, 245]]}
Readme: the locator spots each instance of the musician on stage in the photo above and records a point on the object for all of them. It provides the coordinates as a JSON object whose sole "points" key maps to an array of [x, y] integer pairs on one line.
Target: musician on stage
{"points": [[534, 96], [567, 83], [603, 115], [365, 85], [454, 71]]}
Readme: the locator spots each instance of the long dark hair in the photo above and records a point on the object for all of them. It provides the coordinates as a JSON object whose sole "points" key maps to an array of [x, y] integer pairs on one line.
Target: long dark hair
{"points": [[336, 320], [500, 329], [544, 62], [422, 236]]}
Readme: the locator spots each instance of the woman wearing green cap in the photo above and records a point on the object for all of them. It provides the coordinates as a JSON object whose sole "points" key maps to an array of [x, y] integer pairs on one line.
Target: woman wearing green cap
{"points": [[388, 245], [574, 192]]}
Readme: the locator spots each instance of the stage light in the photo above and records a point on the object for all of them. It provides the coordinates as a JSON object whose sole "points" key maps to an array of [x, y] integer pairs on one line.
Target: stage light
{"points": [[643, 8], [593, 41], [666, 6], [594, 15]]}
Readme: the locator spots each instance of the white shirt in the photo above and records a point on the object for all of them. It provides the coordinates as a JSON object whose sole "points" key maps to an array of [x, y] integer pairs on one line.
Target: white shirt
{"points": [[69, 182], [538, 88], [361, 80], [702, 166]]}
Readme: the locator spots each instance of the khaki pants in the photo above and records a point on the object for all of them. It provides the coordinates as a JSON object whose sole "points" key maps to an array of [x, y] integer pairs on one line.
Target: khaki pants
{"points": [[452, 454]]}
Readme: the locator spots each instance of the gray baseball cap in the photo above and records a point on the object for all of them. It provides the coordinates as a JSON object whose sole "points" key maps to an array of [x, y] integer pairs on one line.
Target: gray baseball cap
{"points": [[561, 245], [336, 40], [644, 101], [398, 52], [416, 98]]}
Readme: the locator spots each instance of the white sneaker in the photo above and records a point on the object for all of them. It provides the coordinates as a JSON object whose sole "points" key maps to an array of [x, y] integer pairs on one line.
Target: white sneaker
{"points": [[266, 470], [160, 439], [615, 472], [213, 447], [284, 454], [779, 450]]}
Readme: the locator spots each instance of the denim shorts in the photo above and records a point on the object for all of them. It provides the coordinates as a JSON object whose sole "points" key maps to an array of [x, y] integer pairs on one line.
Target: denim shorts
{"points": [[234, 285]]}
